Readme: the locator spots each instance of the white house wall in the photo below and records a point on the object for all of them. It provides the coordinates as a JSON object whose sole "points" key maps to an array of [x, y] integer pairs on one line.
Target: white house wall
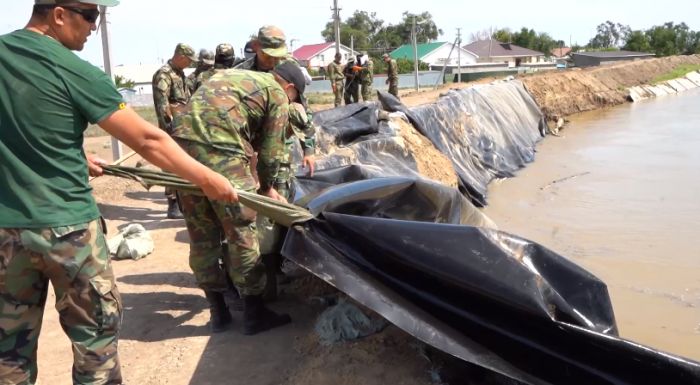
{"points": [[325, 57], [439, 56]]}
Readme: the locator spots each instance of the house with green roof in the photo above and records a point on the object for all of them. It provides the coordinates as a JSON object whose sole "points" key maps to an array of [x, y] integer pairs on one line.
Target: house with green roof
{"points": [[435, 54]]}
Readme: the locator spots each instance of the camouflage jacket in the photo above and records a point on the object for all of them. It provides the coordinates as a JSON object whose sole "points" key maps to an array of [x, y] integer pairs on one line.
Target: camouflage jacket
{"points": [[392, 71], [203, 77], [192, 79], [308, 143], [170, 92], [335, 72], [237, 113], [300, 127], [367, 74]]}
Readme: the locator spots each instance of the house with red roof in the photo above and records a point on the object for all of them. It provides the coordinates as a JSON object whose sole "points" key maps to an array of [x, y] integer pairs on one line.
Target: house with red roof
{"points": [[316, 56]]}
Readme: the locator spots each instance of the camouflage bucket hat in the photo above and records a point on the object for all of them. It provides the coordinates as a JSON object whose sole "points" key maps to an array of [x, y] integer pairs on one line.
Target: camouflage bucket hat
{"points": [[225, 51], [206, 57], [272, 41], [185, 50], [106, 3]]}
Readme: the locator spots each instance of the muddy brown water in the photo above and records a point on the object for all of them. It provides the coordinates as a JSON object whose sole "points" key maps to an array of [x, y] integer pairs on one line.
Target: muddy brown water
{"points": [[625, 206]]}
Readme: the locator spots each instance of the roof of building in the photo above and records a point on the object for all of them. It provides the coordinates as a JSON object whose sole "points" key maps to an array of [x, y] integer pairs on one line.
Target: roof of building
{"points": [[613, 54], [498, 49], [306, 52], [560, 52], [406, 50]]}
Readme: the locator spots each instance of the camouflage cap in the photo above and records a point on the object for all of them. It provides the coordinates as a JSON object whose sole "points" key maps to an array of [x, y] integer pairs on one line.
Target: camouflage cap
{"points": [[185, 50], [272, 41], [107, 3], [206, 57], [225, 51]]}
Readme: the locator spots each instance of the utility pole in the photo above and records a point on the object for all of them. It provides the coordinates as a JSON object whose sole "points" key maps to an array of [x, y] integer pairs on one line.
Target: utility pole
{"points": [[415, 52], [336, 19], [352, 45], [107, 59], [490, 43], [459, 55]]}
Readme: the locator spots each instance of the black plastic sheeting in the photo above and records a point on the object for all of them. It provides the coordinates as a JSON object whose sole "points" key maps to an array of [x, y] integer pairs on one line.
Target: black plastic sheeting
{"points": [[425, 258], [487, 131], [484, 296]]}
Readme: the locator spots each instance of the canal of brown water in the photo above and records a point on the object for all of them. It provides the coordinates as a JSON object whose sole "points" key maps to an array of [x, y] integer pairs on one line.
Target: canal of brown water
{"points": [[619, 194]]}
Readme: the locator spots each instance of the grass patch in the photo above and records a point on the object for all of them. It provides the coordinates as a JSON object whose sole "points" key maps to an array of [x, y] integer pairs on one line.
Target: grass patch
{"points": [[678, 72], [148, 113], [319, 98]]}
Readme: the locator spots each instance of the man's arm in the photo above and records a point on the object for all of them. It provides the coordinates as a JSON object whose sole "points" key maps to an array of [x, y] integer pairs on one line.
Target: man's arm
{"points": [[272, 149], [161, 150]]}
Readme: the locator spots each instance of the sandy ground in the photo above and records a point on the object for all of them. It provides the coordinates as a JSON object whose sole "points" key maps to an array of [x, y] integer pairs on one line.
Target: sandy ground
{"points": [[165, 339]]}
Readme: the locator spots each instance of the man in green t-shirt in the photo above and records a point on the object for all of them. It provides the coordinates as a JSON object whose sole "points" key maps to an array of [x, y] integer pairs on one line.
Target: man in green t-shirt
{"points": [[49, 222]]}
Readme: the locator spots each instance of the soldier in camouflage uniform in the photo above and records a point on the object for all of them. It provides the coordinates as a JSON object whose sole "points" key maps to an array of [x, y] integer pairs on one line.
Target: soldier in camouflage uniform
{"points": [[352, 81], [171, 93], [367, 78], [50, 229], [232, 116], [224, 59], [335, 75], [270, 47], [392, 73], [206, 62]]}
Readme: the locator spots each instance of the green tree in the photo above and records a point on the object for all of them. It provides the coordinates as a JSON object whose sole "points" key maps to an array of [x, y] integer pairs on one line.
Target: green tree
{"points": [[664, 39], [637, 41], [610, 35], [504, 35], [371, 34], [122, 82], [361, 27]]}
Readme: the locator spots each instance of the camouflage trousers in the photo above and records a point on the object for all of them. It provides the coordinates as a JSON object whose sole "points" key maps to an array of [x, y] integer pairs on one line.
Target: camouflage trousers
{"points": [[366, 92], [283, 182], [210, 222], [76, 261], [394, 88], [338, 93], [352, 92]]}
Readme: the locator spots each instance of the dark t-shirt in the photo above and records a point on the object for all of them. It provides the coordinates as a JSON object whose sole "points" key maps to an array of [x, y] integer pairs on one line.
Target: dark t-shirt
{"points": [[47, 97]]}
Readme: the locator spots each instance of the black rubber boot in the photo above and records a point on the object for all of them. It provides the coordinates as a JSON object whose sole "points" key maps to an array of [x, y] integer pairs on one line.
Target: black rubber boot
{"points": [[257, 318], [173, 209], [233, 299], [220, 316]]}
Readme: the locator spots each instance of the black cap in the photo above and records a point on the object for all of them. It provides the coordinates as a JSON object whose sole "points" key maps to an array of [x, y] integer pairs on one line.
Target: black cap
{"points": [[248, 51], [289, 70]]}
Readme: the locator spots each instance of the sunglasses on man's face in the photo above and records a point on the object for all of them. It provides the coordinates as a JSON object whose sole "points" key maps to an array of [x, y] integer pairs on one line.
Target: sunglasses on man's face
{"points": [[90, 15]]}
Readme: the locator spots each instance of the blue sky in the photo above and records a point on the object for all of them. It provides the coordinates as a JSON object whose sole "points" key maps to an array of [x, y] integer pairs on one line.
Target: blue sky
{"points": [[146, 31]]}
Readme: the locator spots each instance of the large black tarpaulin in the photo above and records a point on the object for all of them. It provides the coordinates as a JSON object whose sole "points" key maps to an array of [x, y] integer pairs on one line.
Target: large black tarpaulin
{"points": [[485, 296], [487, 131]]}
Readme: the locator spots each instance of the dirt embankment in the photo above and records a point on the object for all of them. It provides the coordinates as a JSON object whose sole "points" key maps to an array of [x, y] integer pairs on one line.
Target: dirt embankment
{"points": [[577, 90]]}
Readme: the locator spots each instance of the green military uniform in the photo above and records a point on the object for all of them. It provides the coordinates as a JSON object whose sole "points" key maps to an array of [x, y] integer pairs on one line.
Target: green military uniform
{"points": [[224, 55], [301, 129], [233, 115], [206, 62], [49, 227], [352, 82], [393, 75], [170, 93], [366, 79], [335, 75]]}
